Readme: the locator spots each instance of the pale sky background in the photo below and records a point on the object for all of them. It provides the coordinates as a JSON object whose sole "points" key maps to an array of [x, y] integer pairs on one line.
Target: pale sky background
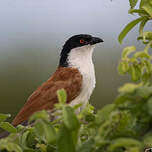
{"points": [[32, 33]]}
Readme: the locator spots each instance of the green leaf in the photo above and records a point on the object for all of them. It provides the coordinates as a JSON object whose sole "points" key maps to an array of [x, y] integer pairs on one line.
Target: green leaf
{"points": [[88, 109], [123, 68], [40, 115], [129, 87], [77, 106], [133, 3], [89, 117], [31, 139], [126, 143], [3, 117], [127, 51], [148, 8], [143, 2], [8, 127], [20, 128], [42, 147], [62, 97], [23, 139], [9, 146], [104, 113], [45, 130], [87, 146], [65, 141], [134, 75], [69, 118], [147, 35], [148, 66], [128, 28], [71, 122], [144, 91], [142, 25], [141, 12], [27, 139], [142, 54]]}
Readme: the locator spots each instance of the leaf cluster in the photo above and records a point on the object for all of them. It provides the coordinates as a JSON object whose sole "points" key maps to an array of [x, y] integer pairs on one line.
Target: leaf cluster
{"points": [[138, 63], [124, 125], [145, 15]]}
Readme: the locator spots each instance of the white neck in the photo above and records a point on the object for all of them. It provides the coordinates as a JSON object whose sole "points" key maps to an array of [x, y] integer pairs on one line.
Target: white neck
{"points": [[81, 58]]}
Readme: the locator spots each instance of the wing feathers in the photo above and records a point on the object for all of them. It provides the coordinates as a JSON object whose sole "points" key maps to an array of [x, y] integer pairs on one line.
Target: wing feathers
{"points": [[45, 96]]}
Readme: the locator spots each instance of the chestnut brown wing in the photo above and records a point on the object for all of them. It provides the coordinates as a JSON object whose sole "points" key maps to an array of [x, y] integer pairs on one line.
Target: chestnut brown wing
{"points": [[45, 96]]}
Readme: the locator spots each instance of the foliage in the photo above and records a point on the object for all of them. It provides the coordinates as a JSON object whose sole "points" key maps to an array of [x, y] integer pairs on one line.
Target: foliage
{"points": [[124, 126], [138, 63]]}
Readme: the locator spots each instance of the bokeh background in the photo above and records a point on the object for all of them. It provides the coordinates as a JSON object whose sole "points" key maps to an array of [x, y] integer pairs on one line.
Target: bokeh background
{"points": [[32, 33]]}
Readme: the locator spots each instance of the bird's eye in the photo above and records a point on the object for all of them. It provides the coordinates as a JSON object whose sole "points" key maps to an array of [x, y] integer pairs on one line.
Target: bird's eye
{"points": [[82, 41]]}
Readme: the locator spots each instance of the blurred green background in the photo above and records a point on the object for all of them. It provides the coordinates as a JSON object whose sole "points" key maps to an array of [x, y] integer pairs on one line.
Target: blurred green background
{"points": [[32, 33]]}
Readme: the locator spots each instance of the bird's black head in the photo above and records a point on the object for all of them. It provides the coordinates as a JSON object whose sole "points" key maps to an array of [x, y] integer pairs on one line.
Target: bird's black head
{"points": [[74, 42]]}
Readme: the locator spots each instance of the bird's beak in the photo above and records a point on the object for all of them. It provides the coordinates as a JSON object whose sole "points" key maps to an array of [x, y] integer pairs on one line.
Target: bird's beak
{"points": [[96, 40]]}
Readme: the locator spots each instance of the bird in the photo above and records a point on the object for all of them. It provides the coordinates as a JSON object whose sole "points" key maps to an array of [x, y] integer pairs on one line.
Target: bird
{"points": [[75, 74]]}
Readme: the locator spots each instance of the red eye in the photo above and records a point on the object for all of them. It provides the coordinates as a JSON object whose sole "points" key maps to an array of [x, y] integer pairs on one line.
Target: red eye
{"points": [[81, 41]]}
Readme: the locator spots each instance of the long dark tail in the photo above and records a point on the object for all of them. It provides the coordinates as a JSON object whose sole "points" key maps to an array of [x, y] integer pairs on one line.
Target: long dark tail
{"points": [[4, 134]]}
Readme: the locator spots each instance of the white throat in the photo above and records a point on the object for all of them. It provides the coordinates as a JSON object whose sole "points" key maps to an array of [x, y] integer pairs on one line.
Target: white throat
{"points": [[81, 58]]}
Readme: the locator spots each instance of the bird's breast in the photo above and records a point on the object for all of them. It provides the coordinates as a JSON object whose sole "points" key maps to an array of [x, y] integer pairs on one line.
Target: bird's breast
{"points": [[81, 58], [88, 84]]}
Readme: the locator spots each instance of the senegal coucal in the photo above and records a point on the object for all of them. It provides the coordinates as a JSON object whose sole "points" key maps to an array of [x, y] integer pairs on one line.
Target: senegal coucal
{"points": [[75, 74]]}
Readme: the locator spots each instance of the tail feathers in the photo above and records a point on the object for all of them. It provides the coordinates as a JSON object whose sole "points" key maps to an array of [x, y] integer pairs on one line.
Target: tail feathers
{"points": [[4, 134]]}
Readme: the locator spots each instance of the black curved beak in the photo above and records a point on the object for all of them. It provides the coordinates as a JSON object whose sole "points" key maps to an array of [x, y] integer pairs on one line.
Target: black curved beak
{"points": [[96, 40]]}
